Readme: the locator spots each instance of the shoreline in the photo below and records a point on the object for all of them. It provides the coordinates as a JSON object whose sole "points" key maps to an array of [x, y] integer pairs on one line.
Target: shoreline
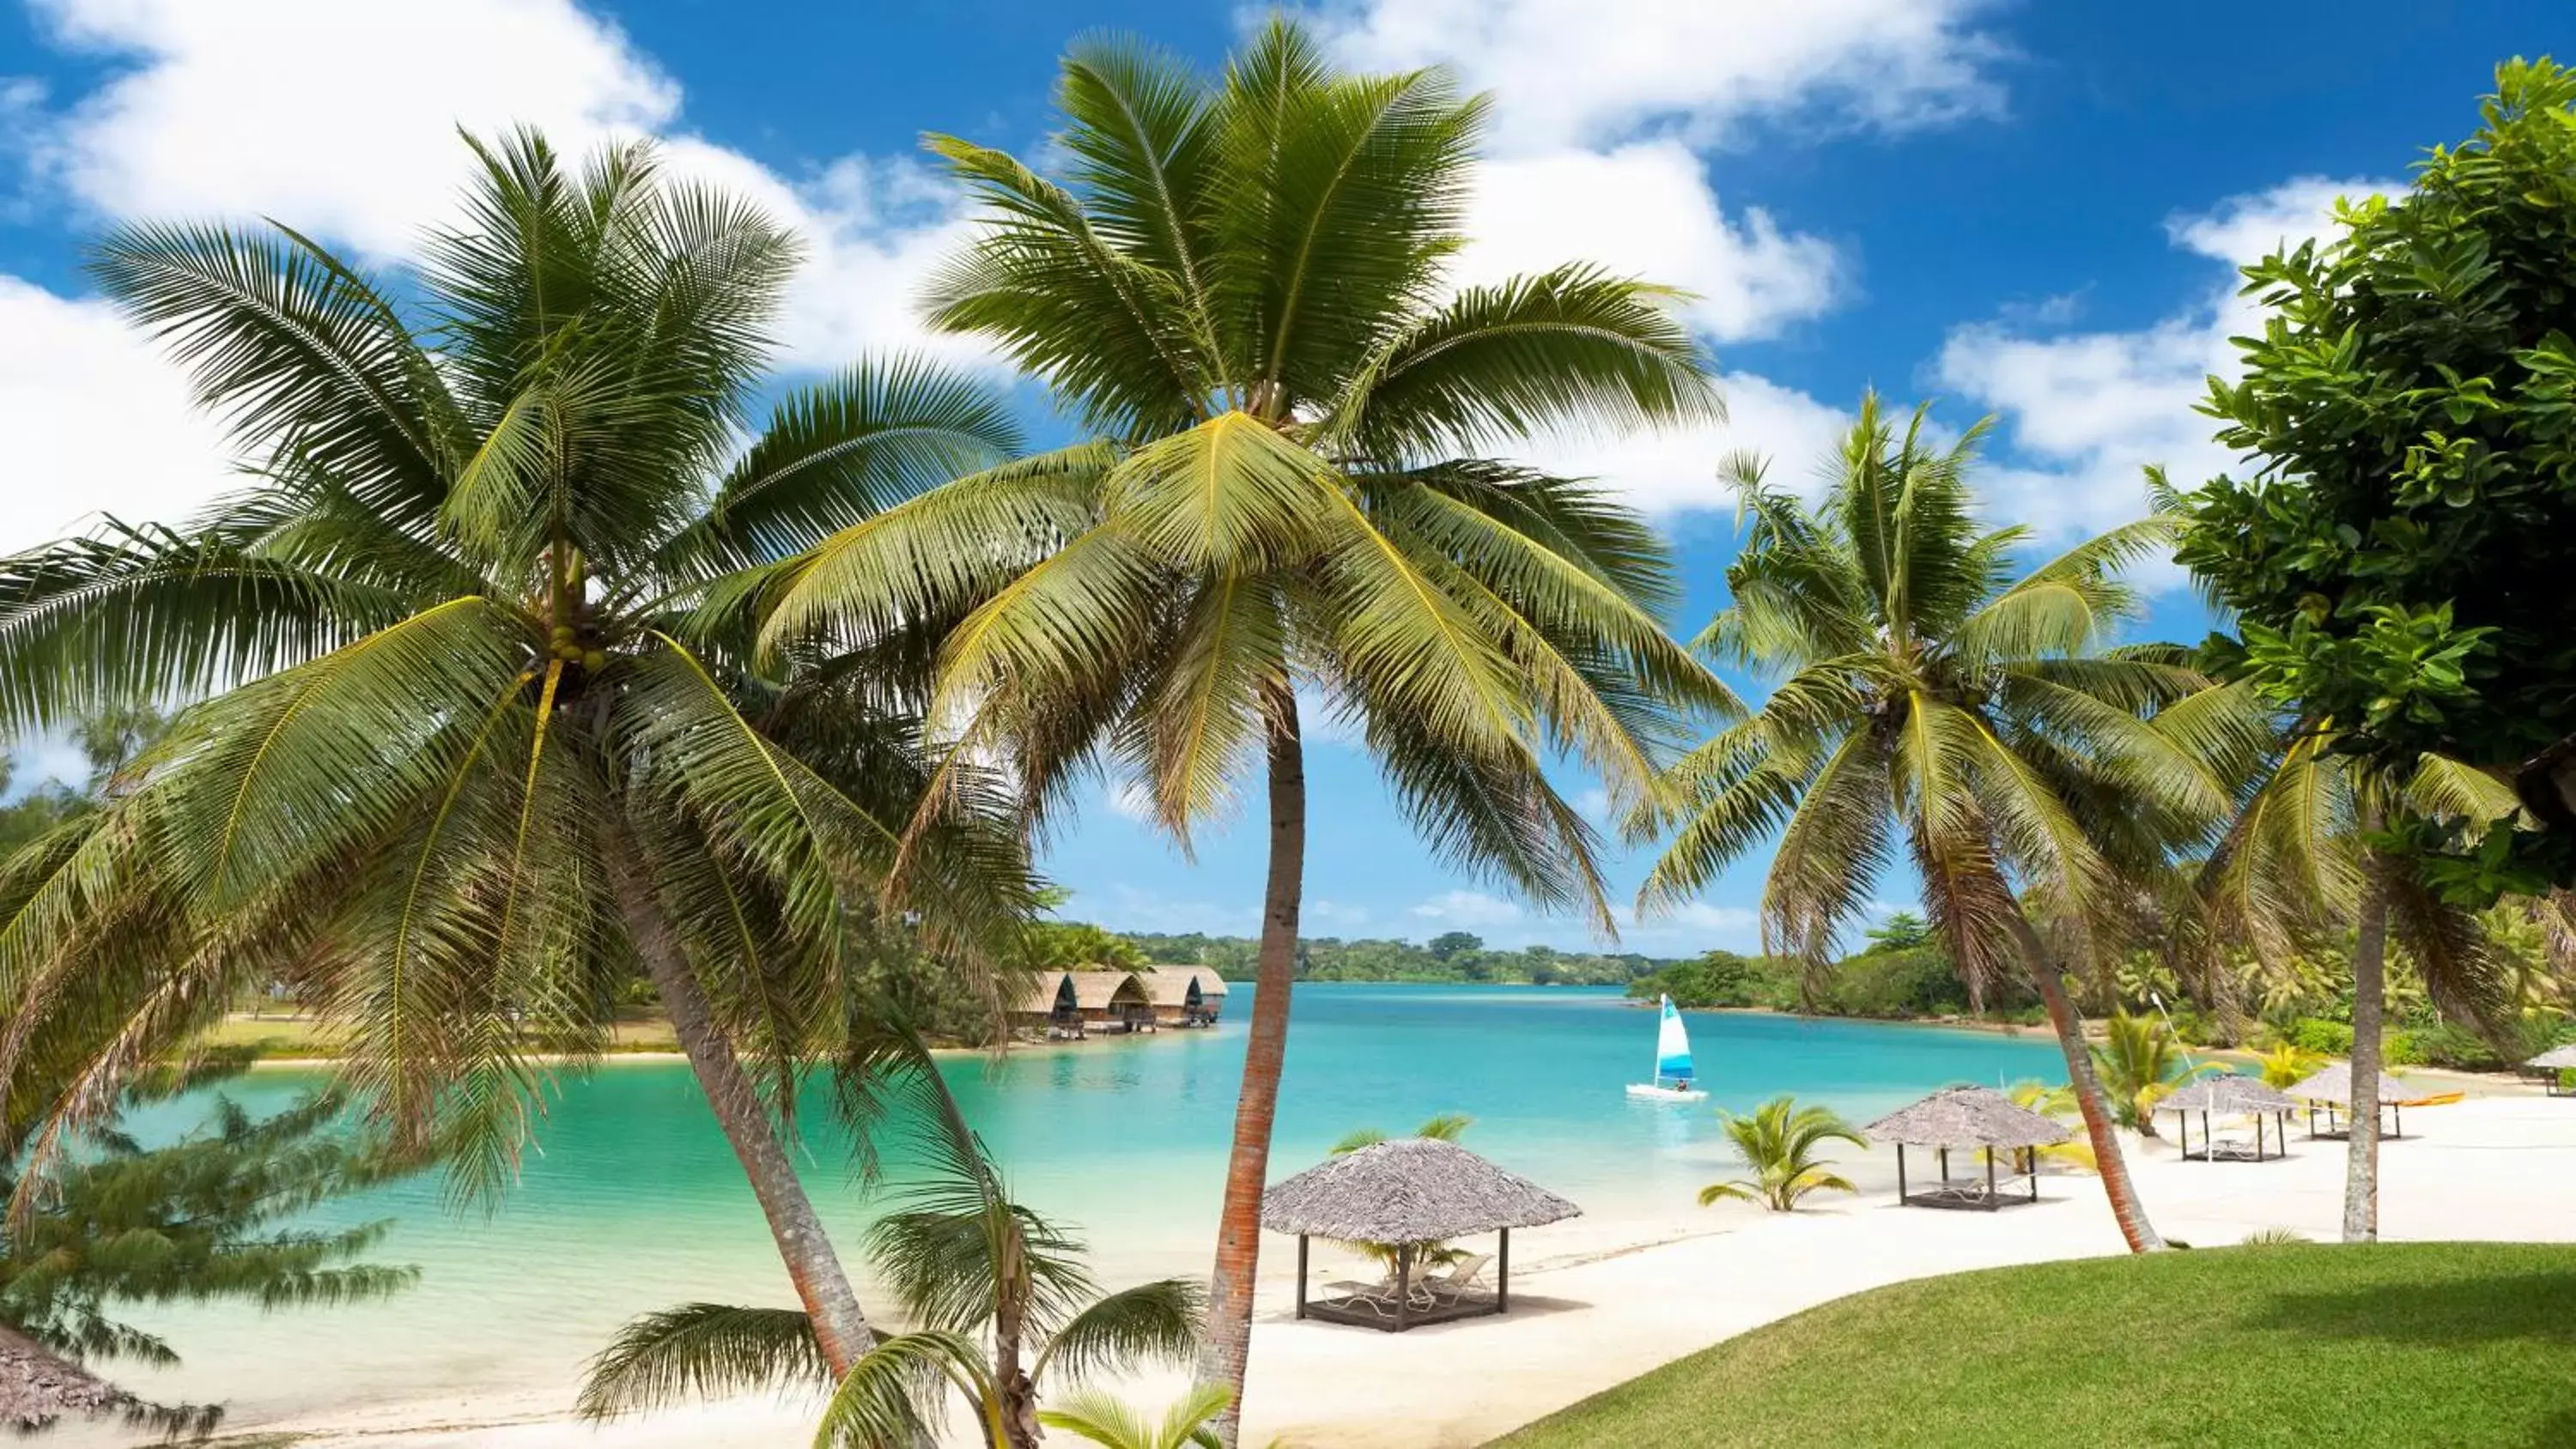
{"points": [[1598, 1301]]}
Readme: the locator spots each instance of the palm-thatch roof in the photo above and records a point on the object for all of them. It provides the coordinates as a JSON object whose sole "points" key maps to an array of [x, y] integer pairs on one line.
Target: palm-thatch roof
{"points": [[1967, 1117], [1170, 985], [1411, 1190], [1099, 990], [1038, 998], [38, 1387], [2334, 1085], [2227, 1092], [2557, 1058]]}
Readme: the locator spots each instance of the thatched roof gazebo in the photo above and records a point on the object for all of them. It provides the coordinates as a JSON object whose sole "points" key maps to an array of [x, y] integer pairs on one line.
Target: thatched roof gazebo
{"points": [[1411, 1194], [38, 1387], [1971, 1117], [1184, 995], [2330, 1091], [2230, 1095], [2549, 1065]]}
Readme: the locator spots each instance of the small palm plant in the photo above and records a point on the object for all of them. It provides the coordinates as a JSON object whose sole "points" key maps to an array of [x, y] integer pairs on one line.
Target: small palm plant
{"points": [[1095, 1417], [988, 1281], [2289, 1064], [2141, 1063], [2033, 1095], [1779, 1141], [1446, 1127]]}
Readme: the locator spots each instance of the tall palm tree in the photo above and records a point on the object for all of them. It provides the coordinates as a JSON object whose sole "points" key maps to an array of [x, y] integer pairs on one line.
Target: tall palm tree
{"points": [[483, 733], [989, 1282], [1292, 497], [2308, 854], [1929, 704]]}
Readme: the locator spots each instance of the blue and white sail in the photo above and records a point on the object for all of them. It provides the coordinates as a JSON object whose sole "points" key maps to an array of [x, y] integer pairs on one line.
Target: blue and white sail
{"points": [[1672, 1048]]}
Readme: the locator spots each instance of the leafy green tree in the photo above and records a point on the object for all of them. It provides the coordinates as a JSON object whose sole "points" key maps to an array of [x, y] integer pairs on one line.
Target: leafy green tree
{"points": [[997, 1291], [1929, 703], [2140, 1064], [1778, 1140], [1449, 945], [485, 732], [1291, 499], [2396, 559], [218, 1215], [1903, 931]]}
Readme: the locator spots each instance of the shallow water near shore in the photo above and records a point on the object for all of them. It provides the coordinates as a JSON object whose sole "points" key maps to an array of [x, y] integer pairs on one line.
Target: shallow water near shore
{"points": [[632, 1201]]}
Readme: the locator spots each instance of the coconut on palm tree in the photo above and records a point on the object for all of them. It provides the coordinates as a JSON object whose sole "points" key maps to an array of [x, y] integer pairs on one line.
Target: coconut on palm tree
{"points": [[1778, 1140], [479, 730], [1001, 1302], [1295, 497], [1929, 706]]}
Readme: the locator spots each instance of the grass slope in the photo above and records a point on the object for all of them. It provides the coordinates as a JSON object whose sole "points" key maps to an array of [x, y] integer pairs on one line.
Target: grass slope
{"points": [[2403, 1344]]}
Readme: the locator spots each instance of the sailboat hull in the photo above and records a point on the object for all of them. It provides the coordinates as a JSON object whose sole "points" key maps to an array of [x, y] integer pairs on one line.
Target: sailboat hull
{"points": [[1647, 1092]]}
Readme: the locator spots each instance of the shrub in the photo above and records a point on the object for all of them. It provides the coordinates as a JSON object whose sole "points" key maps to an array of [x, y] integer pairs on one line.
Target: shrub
{"points": [[2401, 1049], [2326, 1038]]}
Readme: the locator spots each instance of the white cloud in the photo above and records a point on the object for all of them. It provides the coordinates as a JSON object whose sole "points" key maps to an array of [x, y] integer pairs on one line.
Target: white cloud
{"points": [[1675, 469], [289, 109], [2087, 411], [1590, 71], [96, 422], [1469, 908], [1646, 210]]}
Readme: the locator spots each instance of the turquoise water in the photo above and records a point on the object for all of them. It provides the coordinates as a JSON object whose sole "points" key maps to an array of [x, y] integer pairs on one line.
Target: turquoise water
{"points": [[633, 1202]]}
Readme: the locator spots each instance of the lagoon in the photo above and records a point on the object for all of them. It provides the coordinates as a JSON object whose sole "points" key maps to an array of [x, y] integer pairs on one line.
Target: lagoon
{"points": [[632, 1201]]}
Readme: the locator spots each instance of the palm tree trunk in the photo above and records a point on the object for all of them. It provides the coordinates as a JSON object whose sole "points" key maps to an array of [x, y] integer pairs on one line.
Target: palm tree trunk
{"points": [[1011, 1381], [1227, 1345], [2369, 1011], [2099, 1129], [812, 1265]]}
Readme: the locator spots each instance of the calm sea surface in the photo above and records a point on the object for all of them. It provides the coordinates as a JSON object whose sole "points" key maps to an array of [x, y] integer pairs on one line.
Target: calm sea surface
{"points": [[633, 1201]]}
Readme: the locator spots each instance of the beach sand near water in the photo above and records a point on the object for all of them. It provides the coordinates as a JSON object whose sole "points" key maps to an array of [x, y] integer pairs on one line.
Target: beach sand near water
{"points": [[1601, 1299]]}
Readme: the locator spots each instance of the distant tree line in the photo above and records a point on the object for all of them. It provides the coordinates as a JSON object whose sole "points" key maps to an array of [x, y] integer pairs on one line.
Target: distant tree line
{"points": [[1453, 956]]}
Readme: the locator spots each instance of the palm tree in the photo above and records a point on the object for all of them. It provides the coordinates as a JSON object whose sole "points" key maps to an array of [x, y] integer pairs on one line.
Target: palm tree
{"points": [[1445, 1127], [1102, 1420], [2309, 851], [2140, 1064], [485, 734], [1928, 703], [987, 1280], [2033, 1095], [2289, 1064], [1778, 1141], [1292, 499]]}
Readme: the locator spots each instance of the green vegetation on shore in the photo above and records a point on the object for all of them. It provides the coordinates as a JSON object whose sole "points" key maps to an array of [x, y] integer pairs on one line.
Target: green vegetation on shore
{"points": [[1455, 956], [2357, 1346]]}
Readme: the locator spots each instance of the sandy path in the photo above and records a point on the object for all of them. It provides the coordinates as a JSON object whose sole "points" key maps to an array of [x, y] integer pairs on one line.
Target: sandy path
{"points": [[1592, 1308]]}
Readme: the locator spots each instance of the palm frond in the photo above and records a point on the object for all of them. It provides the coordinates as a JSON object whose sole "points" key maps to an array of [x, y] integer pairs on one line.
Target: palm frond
{"points": [[700, 1351]]}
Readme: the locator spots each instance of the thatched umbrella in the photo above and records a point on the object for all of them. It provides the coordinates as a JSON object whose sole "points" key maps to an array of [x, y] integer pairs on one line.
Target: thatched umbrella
{"points": [[2227, 1094], [1976, 1117], [2549, 1064], [38, 1387], [2332, 1090], [1412, 1192]]}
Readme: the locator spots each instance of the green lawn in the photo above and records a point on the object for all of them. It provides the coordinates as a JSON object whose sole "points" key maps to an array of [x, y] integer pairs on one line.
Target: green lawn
{"points": [[2412, 1344]]}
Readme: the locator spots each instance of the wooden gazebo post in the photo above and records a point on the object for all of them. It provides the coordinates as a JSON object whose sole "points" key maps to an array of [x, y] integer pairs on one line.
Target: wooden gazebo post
{"points": [[1900, 1174], [1403, 1284], [1503, 1274], [1301, 1275]]}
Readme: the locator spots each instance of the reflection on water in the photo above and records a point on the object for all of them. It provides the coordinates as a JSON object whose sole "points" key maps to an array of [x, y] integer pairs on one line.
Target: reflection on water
{"points": [[634, 1202]]}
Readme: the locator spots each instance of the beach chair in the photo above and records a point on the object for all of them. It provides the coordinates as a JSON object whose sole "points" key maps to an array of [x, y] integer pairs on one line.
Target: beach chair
{"points": [[1447, 1288]]}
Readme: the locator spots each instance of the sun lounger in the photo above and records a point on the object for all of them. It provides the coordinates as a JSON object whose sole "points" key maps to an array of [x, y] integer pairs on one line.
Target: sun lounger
{"points": [[1447, 1288], [1378, 1297]]}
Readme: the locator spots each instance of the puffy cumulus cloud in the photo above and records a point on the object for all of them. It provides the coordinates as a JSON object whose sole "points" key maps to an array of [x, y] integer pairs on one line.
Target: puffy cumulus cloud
{"points": [[1457, 908], [287, 108], [97, 422], [1646, 210], [1674, 470], [338, 118], [1590, 71], [2086, 412]]}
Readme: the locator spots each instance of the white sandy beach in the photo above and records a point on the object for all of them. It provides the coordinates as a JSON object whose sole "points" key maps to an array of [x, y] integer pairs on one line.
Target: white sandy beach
{"points": [[1609, 1296]]}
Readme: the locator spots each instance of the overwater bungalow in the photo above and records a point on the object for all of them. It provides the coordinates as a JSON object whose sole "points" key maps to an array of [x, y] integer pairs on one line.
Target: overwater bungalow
{"points": [[1112, 1000], [1185, 995], [1051, 1006]]}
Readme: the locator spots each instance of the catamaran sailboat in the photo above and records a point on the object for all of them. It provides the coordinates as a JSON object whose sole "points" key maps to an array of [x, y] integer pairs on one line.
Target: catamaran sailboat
{"points": [[1672, 1081]]}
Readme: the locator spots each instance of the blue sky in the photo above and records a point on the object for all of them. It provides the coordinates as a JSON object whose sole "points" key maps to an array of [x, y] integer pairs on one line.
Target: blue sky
{"points": [[2029, 210]]}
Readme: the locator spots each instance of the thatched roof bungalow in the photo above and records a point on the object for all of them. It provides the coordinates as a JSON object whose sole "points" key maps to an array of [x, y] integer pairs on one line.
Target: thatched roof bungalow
{"points": [[1110, 997], [39, 1387], [1412, 1193], [2230, 1095], [1978, 1118], [1185, 995], [1048, 1003]]}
